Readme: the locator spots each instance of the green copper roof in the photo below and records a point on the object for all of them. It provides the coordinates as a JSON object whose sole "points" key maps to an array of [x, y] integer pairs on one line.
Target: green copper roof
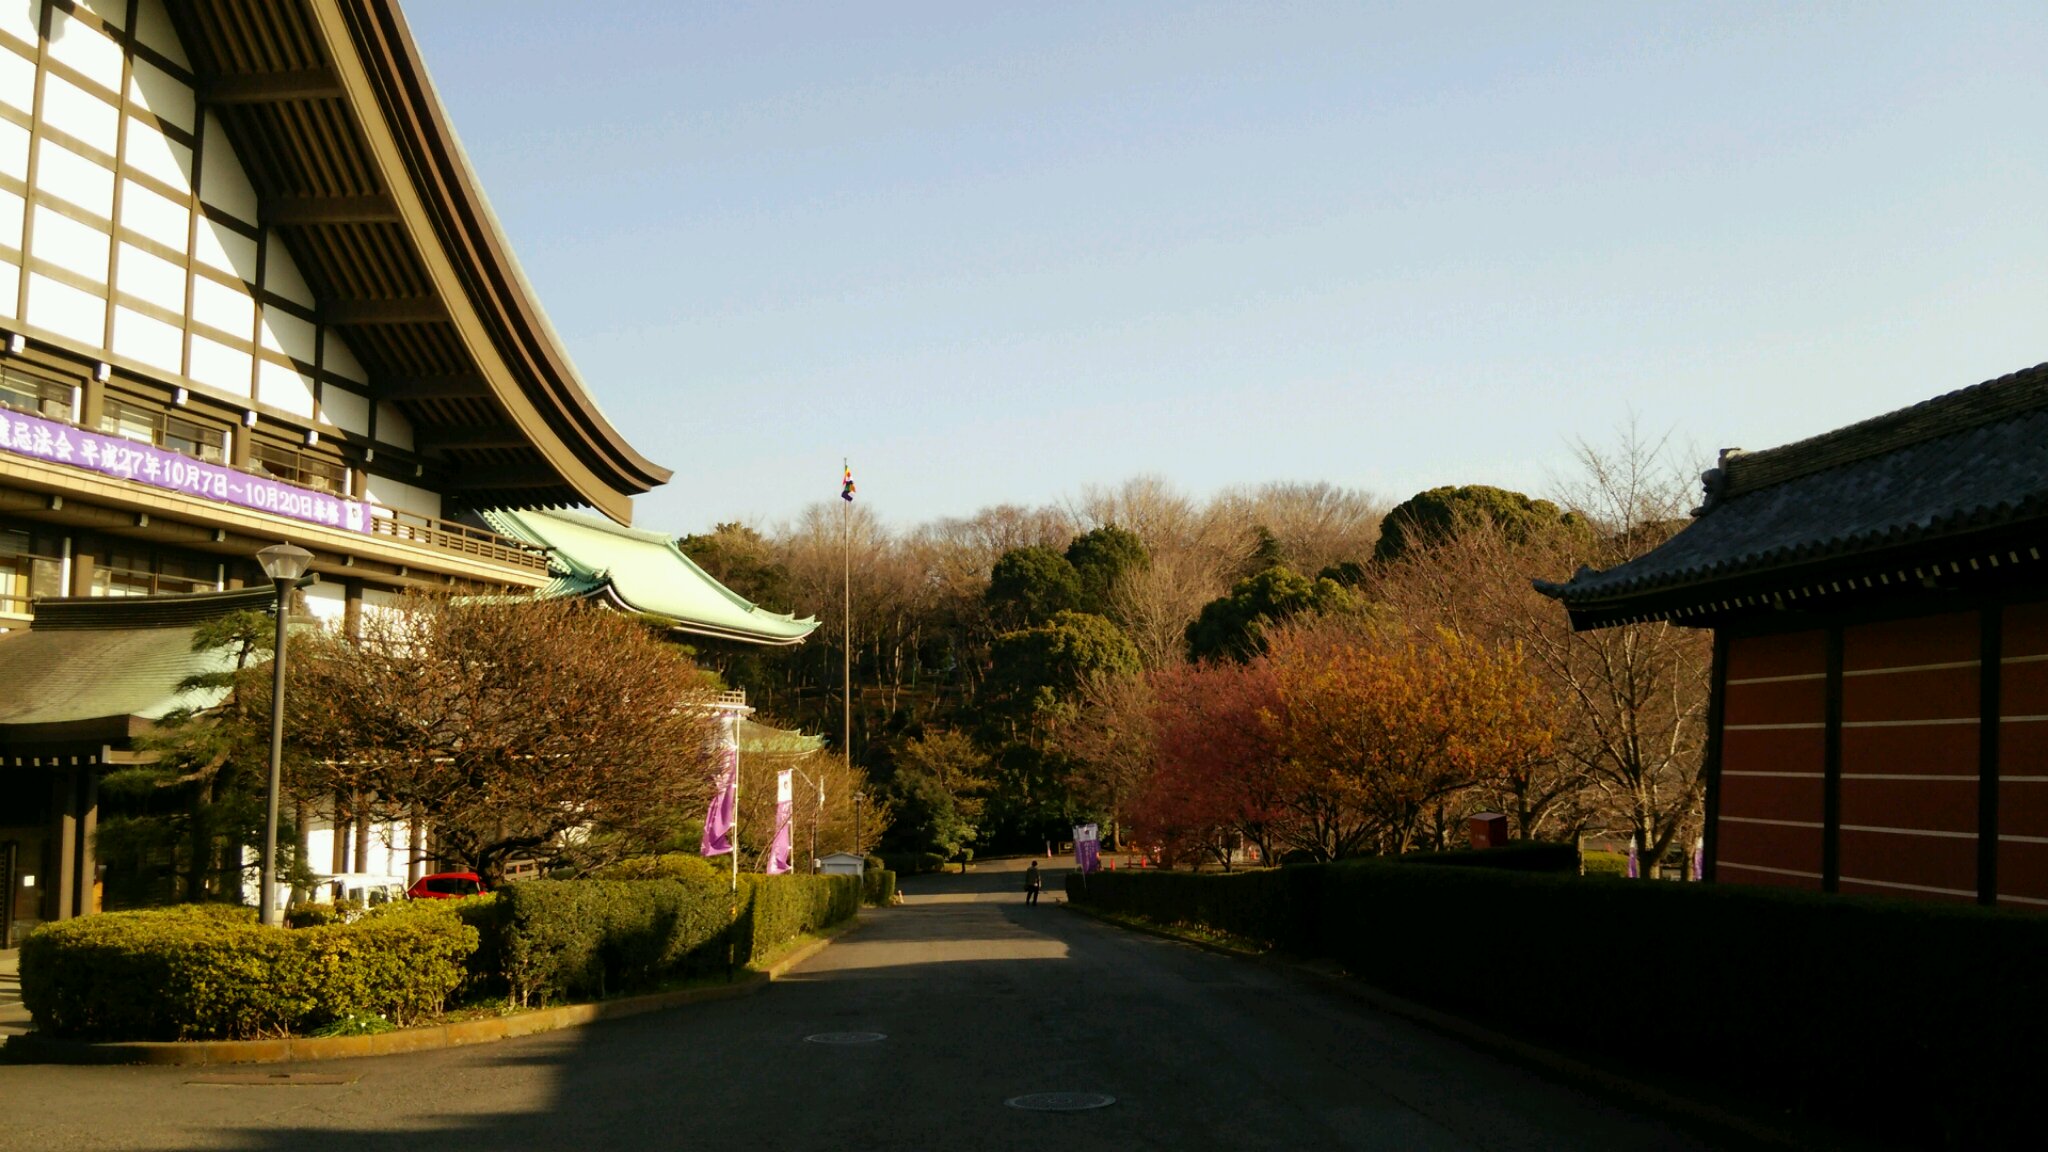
{"points": [[765, 740], [100, 669], [643, 572]]}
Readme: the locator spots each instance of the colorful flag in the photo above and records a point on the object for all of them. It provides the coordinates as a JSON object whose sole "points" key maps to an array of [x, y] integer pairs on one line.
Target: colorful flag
{"points": [[1087, 847], [723, 815], [778, 848], [846, 488]]}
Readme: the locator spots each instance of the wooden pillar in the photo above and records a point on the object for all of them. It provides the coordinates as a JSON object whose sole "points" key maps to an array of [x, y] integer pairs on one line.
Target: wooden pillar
{"points": [[84, 551], [92, 397], [1831, 780], [61, 895], [352, 609], [85, 859], [1717, 704], [1990, 717]]}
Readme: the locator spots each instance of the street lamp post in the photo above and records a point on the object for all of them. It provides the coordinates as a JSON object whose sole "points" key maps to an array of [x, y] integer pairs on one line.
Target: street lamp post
{"points": [[284, 564]]}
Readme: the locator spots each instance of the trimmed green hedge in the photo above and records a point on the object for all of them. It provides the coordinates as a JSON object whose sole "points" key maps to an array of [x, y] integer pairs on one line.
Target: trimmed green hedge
{"points": [[1923, 1022], [914, 863], [1526, 856], [878, 887], [577, 939], [201, 974]]}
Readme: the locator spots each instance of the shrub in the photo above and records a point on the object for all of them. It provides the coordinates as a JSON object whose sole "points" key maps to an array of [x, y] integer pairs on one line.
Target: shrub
{"points": [[1526, 856], [878, 887], [177, 974], [668, 866], [575, 939], [1605, 863], [1923, 1022], [913, 863]]}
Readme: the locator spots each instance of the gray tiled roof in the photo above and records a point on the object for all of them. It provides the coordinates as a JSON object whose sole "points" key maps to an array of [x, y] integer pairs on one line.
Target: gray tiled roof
{"points": [[1972, 460]]}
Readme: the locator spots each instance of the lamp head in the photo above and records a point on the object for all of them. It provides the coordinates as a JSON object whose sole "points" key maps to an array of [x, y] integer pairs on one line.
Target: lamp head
{"points": [[284, 561]]}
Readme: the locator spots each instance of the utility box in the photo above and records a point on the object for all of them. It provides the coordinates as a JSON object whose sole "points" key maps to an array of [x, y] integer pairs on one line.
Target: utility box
{"points": [[1489, 830]]}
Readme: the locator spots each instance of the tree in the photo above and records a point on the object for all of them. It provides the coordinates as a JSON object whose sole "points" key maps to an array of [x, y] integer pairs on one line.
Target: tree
{"points": [[1028, 586], [1440, 513], [1037, 670], [1104, 558], [1375, 730], [201, 801], [512, 728], [1232, 627], [938, 793], [743, 560], [1215, 771]]}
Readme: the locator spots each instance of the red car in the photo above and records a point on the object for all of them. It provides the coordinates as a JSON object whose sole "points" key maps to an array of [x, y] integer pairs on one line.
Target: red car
{"points": [[445, 886]]}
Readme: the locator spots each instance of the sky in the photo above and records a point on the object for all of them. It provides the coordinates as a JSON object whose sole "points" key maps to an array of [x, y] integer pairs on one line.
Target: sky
{"points": [[997, 253]]}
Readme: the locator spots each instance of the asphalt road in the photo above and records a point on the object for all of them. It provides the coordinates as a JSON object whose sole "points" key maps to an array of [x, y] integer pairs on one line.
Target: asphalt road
{"points": [[981, 1000]]}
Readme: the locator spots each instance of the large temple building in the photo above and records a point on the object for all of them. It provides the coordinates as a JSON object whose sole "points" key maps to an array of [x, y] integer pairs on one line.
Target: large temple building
{"points": [[1879, 601], [250, 293]]}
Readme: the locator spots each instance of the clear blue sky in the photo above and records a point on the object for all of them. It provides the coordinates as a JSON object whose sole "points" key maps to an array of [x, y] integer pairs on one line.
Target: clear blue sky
{"points": [[998, 252]]}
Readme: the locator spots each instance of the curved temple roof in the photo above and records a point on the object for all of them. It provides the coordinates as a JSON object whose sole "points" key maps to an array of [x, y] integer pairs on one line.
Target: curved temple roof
{"points": [[1958, 479], [357, 167], [644, 572]]}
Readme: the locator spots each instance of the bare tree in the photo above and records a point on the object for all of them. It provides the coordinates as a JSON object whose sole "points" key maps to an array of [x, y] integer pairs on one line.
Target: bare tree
{"points": [[514, 728]]}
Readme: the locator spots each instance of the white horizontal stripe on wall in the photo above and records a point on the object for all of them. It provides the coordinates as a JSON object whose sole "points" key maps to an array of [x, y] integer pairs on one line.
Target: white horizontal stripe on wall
{"points": [[1908, 887], [1907, 723], [1768, 727], [1786, 775], [1848, 774], [1909, 832], [1778, 823], [1779, 679], [1720, 864], [2023, 839], [1910, 668], [2003, 898], [2025, 659]]}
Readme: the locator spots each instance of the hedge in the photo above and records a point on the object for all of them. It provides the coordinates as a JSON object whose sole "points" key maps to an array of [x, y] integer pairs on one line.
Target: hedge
{"points": [[913, 863], [1526, 856], [577, 939], [1921, 1022], [878, 887], [205, 974]]}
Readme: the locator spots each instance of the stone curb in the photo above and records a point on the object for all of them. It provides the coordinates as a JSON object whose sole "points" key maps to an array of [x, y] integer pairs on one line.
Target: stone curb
{"points": [[30, 1049], [1500, 1044]]}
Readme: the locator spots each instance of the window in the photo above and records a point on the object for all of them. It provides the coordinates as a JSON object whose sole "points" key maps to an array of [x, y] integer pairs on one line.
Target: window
{"points": [[35, 396], [132, 421], [126, 573], [295, 466], [24, 573]]}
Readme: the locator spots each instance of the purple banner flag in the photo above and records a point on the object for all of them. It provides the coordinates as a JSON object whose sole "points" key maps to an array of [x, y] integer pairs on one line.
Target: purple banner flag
{"points": [[1634, 867], [778, 849], [723, 816], [124, 459], [1087, 847]]}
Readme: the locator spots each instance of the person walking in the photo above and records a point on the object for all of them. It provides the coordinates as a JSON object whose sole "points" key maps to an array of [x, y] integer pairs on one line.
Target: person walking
{"points": [[1031, 883]]}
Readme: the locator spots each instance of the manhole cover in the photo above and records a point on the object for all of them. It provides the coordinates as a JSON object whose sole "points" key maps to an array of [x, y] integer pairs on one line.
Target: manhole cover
{"points": [[845, 1037], [270, 1079], [1060, 1101]]}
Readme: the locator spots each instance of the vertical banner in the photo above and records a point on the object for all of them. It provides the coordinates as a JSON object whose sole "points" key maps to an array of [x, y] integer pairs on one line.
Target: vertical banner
{"points": [[778, 849], [724, 813], [1634, 867], [1087, 846]]}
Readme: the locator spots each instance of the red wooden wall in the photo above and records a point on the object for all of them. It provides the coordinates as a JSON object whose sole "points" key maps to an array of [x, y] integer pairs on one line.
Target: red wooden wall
{"points": [[1773, 747], [1909, 789], [1910, 709]]}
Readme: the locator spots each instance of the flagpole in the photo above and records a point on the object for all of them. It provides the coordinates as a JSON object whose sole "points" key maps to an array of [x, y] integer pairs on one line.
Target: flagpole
{"points": [[846, 620]]}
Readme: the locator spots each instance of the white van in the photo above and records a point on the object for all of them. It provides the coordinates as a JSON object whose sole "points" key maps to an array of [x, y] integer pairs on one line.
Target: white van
{"points": [[363, 889]]}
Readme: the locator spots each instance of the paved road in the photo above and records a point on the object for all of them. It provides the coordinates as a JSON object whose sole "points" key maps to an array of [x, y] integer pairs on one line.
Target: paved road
{"points": [[982, 1000]]}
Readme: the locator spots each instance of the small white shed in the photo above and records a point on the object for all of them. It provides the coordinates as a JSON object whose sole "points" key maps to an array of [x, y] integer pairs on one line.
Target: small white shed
{"points": [[841, 864]]}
